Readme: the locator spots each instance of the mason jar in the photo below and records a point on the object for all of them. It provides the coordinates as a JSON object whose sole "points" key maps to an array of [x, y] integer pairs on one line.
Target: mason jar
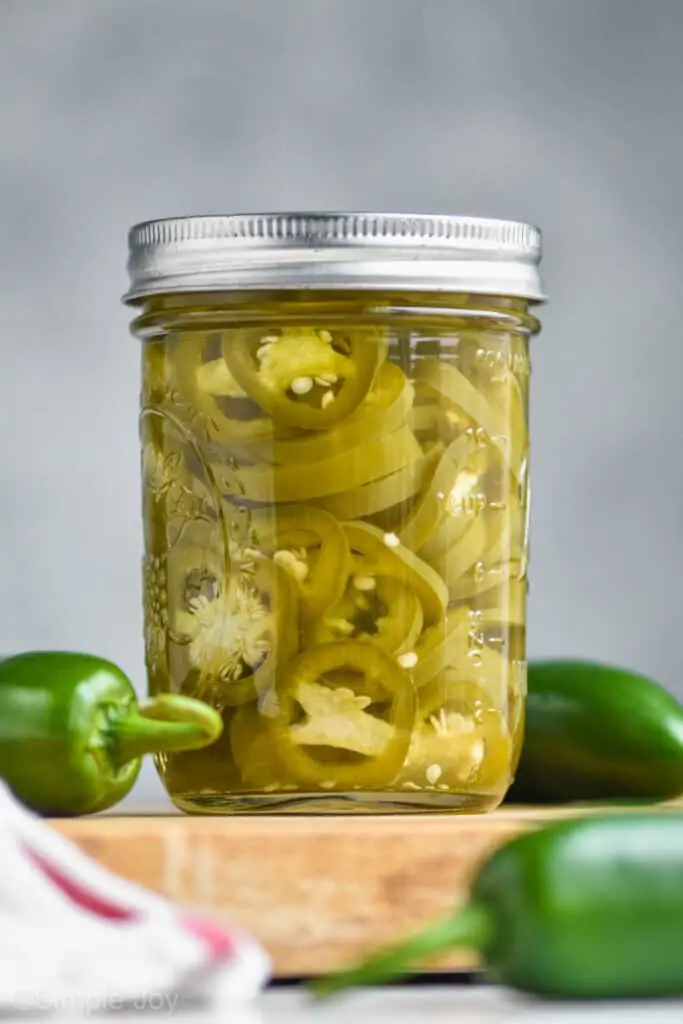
{"points": [[335, 503]]}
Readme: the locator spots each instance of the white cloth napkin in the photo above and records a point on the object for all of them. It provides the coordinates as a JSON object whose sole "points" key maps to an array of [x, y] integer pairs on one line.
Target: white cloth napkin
{"points": [[75, 937]]}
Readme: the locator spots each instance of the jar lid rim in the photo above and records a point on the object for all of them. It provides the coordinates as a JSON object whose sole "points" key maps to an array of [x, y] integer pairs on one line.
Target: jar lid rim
{"points": [[334, 250]]}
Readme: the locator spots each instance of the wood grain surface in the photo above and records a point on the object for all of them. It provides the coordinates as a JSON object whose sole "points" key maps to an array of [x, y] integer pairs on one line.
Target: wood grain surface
{"points": [[317, 892]]}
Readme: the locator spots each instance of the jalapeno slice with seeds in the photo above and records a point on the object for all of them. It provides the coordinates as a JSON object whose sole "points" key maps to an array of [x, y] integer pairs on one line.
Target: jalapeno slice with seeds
{"points": [[384, 409], [238, 630], [329, 736], [381, 553], [381, 609], [311, 546], [203, 378], [461, 740], [305, 377]]}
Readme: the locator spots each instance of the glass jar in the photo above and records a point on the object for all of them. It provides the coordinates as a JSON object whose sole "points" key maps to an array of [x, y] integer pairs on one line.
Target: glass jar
{"points": [[335, 503]]}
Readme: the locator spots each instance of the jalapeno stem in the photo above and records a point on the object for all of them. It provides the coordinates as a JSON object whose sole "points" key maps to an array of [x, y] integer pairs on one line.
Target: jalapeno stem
{"points": [[471, 927], [165, 723]]}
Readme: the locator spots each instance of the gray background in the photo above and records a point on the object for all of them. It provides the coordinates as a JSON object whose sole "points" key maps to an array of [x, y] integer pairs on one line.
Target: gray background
{"points": [[566, 114]]}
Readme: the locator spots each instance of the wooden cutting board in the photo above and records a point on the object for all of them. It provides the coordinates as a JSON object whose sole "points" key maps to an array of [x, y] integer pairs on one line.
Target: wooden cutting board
{"points": [[318, 891]]}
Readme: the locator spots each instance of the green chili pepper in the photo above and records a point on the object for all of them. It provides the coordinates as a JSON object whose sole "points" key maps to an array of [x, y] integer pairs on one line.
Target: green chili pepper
{"points": [[72, 734], [594, 732], [586, 909]]}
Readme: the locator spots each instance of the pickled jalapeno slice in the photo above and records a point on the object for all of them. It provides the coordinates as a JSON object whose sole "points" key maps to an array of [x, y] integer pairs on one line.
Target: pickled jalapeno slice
{"points": [[311, 546], [305, 377], [451, 384], [441, 646], [456, 476], [464, 501], [377, 608], [468, 656], [195, 568], [203, 378], [252, 749], [344, 472], [337, 736], [384, 409], [454, 564], [488, 554], [238, 628], [382, 553], [382, 494], [461, 740]]}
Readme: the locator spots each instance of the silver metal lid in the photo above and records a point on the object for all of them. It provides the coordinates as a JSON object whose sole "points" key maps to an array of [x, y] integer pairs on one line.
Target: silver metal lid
{"points": [[352, 251]]}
